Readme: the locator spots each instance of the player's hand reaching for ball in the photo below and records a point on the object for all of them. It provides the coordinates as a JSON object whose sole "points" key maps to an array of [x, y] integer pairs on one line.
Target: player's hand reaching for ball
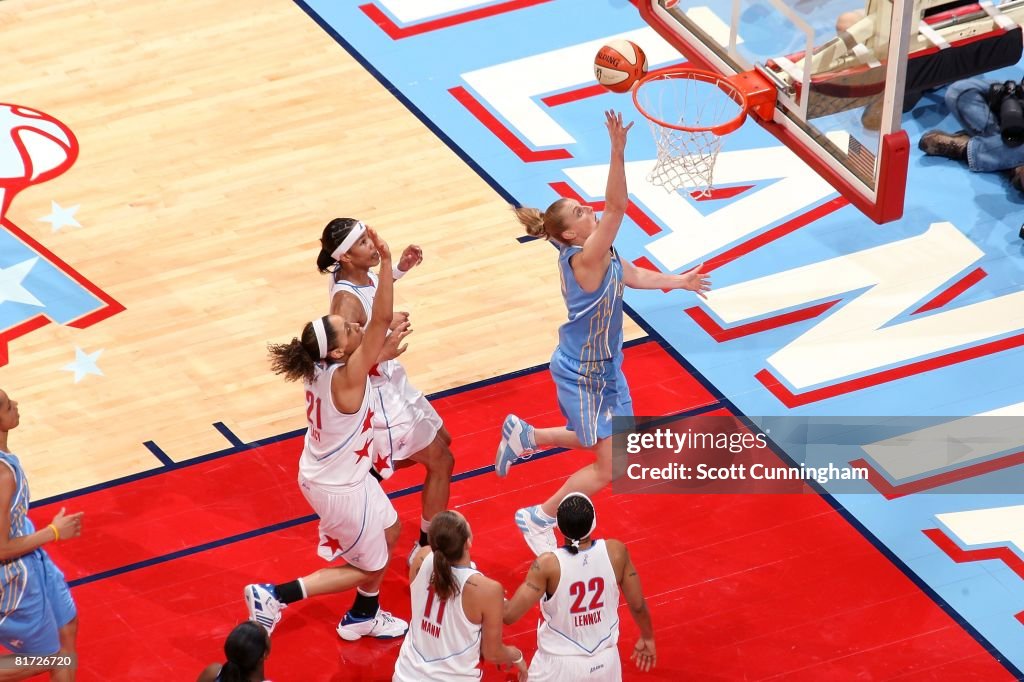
{"points": [[616, 131]]}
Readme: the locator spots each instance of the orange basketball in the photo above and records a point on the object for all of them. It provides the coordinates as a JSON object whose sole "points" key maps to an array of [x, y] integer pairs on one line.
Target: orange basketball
{"points": [[620, 64]]}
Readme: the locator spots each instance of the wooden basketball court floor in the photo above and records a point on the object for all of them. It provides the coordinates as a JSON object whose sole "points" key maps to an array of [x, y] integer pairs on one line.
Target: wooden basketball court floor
{"points": [[214, 140]]}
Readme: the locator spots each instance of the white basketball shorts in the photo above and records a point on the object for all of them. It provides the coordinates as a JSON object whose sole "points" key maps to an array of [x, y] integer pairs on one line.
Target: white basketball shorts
{"points": [[604, 666], [352, 522], [403, 421]]}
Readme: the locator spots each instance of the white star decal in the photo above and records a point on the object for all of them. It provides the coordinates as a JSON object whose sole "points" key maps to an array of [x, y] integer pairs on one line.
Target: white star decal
{"points": [[61, 217], [11, 287], [85, 363]]}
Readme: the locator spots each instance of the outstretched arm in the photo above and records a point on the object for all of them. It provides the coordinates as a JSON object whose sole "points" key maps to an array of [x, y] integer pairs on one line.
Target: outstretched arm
{"points": [[694, 280], [594, 256], [365, 356]]}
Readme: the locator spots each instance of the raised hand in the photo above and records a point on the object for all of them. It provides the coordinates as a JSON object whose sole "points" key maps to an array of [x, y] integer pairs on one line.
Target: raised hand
{"points": [[400, 317], [616, 131], [379, 244], [392, 349], [411, 257], [696, 281]]}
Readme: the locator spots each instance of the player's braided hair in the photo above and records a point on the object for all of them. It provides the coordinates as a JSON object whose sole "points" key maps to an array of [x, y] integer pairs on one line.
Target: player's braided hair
{"points": [[245, 648], [575, 519], [334, 233], [297, 359], [448, 535]]}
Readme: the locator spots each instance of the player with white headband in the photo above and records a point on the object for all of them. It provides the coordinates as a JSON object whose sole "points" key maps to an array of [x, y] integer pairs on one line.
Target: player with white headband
{"points": [[407, 428], [333, 357], [578, 586]]}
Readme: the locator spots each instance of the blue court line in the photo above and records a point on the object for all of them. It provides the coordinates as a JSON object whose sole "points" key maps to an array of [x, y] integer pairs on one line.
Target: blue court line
{"points": [[282, 525], [226, 432], [158, 453]]}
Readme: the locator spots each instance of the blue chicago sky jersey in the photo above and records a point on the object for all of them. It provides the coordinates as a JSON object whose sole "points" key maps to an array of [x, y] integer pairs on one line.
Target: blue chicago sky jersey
{"points": [[594, 328]]}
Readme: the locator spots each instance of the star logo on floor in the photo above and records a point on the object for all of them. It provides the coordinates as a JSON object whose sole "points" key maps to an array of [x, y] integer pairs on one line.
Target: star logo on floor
{"points": [[61, 217], [85, 363]]}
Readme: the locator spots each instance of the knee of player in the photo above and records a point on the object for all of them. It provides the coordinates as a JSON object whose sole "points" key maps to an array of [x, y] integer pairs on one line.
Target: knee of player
{"points": [[68, 633], [439, 457]]}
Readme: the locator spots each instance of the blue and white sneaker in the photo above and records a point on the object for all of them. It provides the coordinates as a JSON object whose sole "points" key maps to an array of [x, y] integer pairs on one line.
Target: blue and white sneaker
{"points": [[264, 606], [381, 626], [538, 532], [516, 443]]}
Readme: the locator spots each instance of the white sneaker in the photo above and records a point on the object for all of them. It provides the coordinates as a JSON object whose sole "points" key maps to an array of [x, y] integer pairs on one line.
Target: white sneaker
{"points": [[516, 436], [264, 607], [381, 626], [538, 533]]}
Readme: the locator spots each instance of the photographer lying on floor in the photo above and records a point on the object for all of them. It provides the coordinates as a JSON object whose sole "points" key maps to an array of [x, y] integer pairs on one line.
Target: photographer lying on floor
{"points": [[992, 115]]}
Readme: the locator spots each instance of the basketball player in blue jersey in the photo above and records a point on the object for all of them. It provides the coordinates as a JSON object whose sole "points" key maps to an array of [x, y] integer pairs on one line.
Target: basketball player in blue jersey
{"points": [[407, 428], [333, 357], [456, 611], [37, 614], [587, 364], [578, 587]]}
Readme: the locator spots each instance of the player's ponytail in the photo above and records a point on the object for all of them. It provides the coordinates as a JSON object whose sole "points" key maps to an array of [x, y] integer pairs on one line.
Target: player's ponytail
{"points": [[245, 649], [448, 535], [330, 240], [546, 225], [297, 359], [577, 519]]}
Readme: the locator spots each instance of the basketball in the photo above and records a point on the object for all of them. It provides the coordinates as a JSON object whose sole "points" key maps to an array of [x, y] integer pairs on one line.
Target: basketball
{"points": [[619, 64]]}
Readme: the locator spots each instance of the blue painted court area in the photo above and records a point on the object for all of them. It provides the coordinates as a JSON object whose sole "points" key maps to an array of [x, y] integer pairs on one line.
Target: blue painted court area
{"points": [[32, 285], [926, 314]]}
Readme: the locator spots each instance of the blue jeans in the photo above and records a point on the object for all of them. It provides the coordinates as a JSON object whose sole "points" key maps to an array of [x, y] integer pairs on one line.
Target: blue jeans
{"points": [[985, 150]]}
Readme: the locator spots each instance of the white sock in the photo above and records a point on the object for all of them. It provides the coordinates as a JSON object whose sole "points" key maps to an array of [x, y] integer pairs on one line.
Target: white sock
{"points": [[424, 524]]}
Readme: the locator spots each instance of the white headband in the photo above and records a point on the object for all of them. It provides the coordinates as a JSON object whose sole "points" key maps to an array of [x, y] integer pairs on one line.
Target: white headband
{"points": [[321, 336], [349, 241], [593, 525]]}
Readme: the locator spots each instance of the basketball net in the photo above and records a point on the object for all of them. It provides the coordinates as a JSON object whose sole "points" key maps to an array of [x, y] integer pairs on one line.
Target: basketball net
{"points": [[689, 112]]}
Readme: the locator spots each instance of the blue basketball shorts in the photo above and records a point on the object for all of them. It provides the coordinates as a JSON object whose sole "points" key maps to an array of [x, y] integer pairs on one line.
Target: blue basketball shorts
{"points": [[590, 394], [45, 606]]}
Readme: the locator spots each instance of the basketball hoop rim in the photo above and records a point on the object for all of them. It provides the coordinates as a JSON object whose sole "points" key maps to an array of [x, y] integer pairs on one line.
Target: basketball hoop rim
{"points": [[722, 82]]}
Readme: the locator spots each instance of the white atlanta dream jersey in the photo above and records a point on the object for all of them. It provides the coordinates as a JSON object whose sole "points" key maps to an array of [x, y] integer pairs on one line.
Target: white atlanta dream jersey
{"points": [[339, 447], [581, 618], [441, 643]]}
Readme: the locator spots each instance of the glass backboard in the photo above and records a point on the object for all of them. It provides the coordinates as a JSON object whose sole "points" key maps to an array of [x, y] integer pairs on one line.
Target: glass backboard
{"points": [[840, 71]]}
